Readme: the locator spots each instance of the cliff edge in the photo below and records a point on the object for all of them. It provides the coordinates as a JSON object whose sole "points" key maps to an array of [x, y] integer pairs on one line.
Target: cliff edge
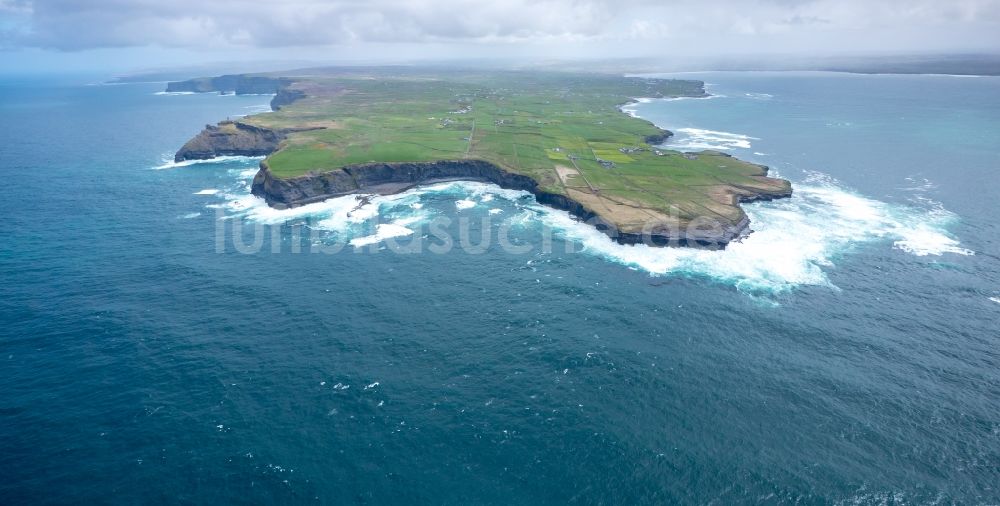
{"points": [[390, 178]]}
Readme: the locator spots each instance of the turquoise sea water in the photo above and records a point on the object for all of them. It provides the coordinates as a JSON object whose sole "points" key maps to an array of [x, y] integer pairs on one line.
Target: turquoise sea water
{"points": [[166, 338]]}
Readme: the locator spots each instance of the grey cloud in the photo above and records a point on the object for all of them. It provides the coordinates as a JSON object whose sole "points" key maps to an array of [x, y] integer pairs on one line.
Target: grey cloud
{"points": [[806, 20], [85, 24], [74, 24]]}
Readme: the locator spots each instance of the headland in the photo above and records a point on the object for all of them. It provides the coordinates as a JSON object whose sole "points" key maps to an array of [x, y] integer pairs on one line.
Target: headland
{"points": [[561, 136]]}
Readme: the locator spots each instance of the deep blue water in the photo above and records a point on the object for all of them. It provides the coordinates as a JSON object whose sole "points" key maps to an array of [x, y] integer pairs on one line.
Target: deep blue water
{"points": [[846, 352]]}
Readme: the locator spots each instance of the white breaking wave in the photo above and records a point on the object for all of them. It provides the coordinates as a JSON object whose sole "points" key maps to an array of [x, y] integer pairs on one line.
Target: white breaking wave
{"points": [[210, 191], [170, 164], [923, 240], [759, 96], [706, 97], [995, 299], [249, 173], [174, 93], [631, 107], [697, 139], [255, 109], [384, 231], [348, 217], [794, 241]]}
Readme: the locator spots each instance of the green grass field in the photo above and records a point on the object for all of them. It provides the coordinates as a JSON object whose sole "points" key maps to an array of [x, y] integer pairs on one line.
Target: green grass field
{"points": [[564, 130]]}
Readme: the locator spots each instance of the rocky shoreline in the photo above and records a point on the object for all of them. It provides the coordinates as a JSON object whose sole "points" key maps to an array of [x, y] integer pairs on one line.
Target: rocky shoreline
{"points": [[390, 178], [243, 139]]}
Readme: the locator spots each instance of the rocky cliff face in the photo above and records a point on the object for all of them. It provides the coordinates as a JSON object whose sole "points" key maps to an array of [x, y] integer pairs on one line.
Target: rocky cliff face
{"points": [[378, 178], [285, 96], [239, 84], [388, 178], [659, 138], [230, 138]]}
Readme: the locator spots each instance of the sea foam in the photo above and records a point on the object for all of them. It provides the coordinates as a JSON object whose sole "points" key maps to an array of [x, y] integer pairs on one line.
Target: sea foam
{"points": [[793, 241], [697, 139], [168, 163], [631, 108], [384, 231]]}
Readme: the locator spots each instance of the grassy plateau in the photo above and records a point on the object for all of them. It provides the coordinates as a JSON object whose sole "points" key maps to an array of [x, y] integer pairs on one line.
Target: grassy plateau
{"points": [[564, 130]]}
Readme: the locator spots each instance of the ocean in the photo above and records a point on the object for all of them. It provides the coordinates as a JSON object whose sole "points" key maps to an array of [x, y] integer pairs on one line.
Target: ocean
{"points": [[166, 337]]}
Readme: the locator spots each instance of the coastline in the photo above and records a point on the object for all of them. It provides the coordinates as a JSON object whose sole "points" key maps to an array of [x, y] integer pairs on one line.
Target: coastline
{"points": [[236, 138], [393, 178]]}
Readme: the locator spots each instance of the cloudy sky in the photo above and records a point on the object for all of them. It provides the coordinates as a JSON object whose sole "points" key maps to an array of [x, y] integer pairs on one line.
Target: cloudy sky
{"points": [[119, 35]]}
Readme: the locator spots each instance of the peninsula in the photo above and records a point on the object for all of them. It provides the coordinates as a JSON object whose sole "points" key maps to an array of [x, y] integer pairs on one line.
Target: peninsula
{"points": [[561, 136]]}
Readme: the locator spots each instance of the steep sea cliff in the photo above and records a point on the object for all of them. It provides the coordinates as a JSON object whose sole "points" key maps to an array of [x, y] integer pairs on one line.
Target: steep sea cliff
{"points": [[239, 84], [390, 178]]}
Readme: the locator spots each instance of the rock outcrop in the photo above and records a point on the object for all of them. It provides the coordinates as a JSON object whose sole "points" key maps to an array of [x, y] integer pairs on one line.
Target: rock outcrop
{"points": [[230, 138]]}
